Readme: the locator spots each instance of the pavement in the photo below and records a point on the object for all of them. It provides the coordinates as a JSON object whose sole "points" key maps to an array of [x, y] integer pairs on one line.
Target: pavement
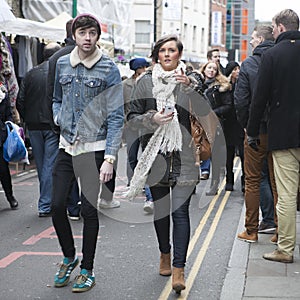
{"points": [[249, 276]]}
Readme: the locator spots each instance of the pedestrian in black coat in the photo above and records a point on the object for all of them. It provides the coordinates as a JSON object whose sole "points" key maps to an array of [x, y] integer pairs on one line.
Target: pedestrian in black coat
{"points": [[278, 89], [233, 131]]}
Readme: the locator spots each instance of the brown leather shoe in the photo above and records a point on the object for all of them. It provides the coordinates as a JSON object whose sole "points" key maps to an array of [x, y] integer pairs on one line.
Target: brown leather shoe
{"points": [[274, 239], [165, 264], [279, 257], [245, 236], [178, 283]]}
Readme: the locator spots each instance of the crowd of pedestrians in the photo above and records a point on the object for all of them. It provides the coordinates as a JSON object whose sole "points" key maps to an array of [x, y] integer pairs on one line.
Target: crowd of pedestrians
{"points": [[78, 111]]}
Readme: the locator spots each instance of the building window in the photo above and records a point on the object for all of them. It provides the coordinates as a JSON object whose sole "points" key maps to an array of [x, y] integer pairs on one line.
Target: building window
{"points": [[185, 27], [245, 22], [202, 42], [142, 32], [194, 46]]}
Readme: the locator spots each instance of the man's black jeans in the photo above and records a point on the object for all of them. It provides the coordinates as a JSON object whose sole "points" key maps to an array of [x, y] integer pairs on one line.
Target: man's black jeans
{"points": [[85, 167]]}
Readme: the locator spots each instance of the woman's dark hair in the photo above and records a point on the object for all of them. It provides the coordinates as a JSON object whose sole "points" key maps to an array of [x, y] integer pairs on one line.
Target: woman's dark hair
{"points": [[162, 41]]}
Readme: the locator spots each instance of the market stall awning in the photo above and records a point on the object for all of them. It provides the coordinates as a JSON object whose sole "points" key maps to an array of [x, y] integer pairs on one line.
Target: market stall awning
{"points": [[5, 12], [59, 21], [33, 29]]}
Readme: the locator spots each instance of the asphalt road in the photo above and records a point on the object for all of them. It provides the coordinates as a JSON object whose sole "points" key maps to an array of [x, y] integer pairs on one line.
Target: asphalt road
{"points": [[127, 258]]}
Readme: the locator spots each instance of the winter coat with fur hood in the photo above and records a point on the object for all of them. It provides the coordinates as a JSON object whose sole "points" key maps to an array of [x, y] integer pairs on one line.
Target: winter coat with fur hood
{"points": [[218, 95]]}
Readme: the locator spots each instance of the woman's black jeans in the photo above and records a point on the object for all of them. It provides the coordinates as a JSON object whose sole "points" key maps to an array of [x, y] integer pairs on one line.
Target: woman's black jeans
{"points": [[85, 166], [5, 177], [178, 201]]}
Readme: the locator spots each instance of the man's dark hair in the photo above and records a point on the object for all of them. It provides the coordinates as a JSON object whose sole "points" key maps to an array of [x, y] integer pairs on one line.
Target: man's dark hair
{"points": [[85, 21], [163, 40], [50, 49], [265, 31], [288, 18], [69, 29], [210, 52]]}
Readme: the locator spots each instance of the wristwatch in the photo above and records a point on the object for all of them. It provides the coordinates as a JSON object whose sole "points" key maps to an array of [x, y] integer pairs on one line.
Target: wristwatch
{"points": [[110, 160]]}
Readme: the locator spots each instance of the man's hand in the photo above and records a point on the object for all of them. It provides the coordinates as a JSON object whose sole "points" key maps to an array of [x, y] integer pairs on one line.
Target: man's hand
{"points": [[106, 172], [253, 142]]}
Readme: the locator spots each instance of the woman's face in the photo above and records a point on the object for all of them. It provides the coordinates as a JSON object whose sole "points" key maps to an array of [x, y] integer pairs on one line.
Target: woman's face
{"points": [[235, 72], [211, 70], [169, 56]]}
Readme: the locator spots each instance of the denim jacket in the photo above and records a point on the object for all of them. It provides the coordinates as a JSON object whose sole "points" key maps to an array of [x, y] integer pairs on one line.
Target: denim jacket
{"points": [[88, 103]]}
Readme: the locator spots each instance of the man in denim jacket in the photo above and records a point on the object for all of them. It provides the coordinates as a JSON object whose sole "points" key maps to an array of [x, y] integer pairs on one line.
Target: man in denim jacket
{"points": [[88, 108]]}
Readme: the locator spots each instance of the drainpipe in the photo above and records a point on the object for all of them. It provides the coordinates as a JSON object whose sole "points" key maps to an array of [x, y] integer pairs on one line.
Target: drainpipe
{"points": [[74, 8]]}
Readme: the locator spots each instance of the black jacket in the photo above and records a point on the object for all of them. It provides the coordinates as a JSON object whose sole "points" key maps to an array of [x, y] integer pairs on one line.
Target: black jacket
{"points": [[32, 101], [178, 166], [246, 82], [5, 115], [278, 87], [219, 99], [233, 131]]}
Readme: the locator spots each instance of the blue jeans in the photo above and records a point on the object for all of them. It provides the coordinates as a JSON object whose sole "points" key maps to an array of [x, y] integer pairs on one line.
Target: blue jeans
{"points": [[148, 193], [181, 221], [266, 196], [45, 148], [205, 167]]}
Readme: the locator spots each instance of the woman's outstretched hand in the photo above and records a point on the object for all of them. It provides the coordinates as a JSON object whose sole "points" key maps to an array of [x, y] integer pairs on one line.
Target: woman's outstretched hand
{"points": [[182, 77]]}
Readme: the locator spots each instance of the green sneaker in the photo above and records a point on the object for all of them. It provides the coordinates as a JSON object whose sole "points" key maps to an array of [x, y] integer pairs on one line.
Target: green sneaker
{"points": [[62, 276], [84, 282]]}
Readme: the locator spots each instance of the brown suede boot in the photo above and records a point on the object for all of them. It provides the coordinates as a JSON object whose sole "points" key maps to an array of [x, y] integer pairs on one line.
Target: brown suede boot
{"points": [[178, 280], [165, 264]]}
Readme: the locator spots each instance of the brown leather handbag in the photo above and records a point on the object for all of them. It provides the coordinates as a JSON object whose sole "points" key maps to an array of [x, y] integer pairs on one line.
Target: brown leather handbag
{"points": [[202, 147]]}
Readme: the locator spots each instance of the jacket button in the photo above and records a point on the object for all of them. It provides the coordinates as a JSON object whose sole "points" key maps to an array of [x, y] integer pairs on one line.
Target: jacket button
{"points": [[277, 103]]}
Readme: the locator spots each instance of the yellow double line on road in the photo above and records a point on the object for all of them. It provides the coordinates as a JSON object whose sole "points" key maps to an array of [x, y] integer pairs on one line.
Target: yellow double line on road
{"points": [[202, 252]]}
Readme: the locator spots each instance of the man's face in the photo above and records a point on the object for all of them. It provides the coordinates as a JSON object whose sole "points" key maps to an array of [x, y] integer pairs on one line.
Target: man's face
{"points": [[140, 71], [276, 30], [215, 57], [255, 40], [86, 39]]}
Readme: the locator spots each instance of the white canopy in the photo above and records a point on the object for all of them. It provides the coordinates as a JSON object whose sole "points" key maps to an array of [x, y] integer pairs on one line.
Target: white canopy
{"points": [[59, 21], [52, 30], [5, 12], [33, 29]]}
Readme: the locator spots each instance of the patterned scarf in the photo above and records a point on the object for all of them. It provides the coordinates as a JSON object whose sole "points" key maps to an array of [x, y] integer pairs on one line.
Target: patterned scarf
{"points": [[167, 137]]}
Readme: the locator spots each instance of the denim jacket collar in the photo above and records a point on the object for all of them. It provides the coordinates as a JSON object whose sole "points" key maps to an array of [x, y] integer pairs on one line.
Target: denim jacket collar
{"points": [[88, 62]]}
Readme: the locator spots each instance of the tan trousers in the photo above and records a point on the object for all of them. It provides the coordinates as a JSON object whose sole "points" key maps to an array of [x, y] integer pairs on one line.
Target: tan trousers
{"points": [[286, 169], [253, 165]]}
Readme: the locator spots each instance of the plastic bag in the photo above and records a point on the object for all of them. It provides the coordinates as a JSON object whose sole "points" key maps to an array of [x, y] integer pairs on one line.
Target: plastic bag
{"points": [[14, 149]]}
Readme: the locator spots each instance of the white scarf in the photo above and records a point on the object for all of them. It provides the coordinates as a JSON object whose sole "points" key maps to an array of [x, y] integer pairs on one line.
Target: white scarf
{"points": [[167, 137]]}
